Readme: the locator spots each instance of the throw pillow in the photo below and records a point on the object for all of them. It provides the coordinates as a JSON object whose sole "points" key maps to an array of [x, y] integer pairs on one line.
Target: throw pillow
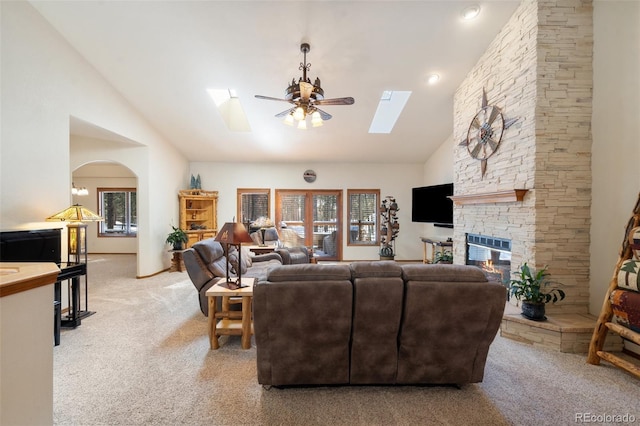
{"points": [[247, 257], [218, 267], [233, 260]]}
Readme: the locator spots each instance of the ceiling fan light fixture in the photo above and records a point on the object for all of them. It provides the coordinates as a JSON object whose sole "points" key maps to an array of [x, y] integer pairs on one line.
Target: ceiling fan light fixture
{"points": [[288, 120], [306, 97], [299, 114], [316, 119], [302, 124]]}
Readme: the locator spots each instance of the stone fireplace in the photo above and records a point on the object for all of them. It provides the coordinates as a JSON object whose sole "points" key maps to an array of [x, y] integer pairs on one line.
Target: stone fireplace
{"points": [[537, 70]]}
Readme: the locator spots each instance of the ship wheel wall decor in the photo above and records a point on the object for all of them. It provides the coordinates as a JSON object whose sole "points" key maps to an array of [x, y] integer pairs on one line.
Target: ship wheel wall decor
{"points": [[485, 132]]}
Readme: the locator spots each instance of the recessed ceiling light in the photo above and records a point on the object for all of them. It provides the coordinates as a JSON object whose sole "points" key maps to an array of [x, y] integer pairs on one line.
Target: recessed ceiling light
{"points": [[433, 78], [471, 12]]}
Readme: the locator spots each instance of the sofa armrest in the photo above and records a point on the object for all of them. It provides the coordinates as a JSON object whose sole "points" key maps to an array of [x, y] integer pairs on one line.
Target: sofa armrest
{"points": [[267, 256], [293, 255], [196, 269]]}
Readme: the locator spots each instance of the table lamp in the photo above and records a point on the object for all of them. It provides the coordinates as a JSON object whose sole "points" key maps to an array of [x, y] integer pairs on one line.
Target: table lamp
{"points": [[76, 216], [234, 234]]}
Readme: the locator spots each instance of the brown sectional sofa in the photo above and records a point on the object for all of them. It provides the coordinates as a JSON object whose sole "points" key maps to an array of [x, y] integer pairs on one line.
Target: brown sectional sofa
{"points": [[374, 323]]}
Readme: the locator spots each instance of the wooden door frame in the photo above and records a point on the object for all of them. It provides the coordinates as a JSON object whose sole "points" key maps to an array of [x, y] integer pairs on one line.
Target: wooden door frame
{"points": [[308, 219]]}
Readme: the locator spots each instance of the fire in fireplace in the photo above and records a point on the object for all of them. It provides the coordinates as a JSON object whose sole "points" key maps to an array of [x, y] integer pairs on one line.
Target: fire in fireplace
{"points": [[492, 255]]}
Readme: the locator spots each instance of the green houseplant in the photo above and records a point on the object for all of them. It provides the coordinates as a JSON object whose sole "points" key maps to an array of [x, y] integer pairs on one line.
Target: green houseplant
{"points": [[534, 289], [444, 256], [177, 238]]}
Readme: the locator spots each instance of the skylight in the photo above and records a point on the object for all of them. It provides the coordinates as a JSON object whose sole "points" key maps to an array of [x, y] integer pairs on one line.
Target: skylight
{"points": [[230, 108], [391, 104]]}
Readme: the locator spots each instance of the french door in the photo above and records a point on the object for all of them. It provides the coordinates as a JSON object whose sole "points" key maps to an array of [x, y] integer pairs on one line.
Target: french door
{"points": [[312, 219]]}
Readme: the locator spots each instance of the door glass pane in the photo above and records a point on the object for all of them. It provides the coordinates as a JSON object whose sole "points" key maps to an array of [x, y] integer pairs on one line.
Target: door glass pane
{"points": [[325, 224], [292, 230]]}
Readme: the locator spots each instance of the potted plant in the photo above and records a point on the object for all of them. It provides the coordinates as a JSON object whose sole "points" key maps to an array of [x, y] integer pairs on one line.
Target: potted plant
{"points": [[444, 256], [177, 238], [534, 289]]}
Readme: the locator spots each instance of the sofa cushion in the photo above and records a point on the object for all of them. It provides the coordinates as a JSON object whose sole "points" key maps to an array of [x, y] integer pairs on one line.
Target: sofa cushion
{"points": [[209, 250], [309, 272], [218, 267], [377, 311], [442, 273], [212, 254], [446, 330], [303, 326], [383, 268]]}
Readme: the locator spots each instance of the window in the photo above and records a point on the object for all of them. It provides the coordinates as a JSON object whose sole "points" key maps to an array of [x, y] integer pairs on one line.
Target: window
{"points": [[252, 203], [118, 208], [363, 216]]}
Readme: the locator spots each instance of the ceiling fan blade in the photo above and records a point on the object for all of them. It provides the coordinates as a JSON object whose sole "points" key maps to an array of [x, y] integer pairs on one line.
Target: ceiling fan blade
{"points": [[285, 113], [336, 101], [269, 98], [305, 90], [325, 115]]}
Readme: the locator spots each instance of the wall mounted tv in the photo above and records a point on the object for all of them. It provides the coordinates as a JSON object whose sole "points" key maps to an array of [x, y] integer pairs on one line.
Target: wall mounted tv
{"points": [[431, 204]]}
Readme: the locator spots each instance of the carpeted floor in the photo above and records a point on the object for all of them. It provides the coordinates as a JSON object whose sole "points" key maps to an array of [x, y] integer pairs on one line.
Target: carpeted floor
{"points": [[144, 359]]}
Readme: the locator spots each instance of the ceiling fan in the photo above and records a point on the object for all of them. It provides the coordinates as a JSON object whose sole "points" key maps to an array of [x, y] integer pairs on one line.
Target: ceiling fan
{"points": [[306, 98]]}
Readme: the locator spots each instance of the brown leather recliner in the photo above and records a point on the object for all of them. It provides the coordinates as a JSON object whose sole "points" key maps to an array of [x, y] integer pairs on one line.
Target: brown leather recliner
{"points": [[206, 262], [375, 323], [302, 325]]}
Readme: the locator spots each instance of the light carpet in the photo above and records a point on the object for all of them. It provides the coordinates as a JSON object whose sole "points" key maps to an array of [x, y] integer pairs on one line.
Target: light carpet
{"points": [[144, 359]]}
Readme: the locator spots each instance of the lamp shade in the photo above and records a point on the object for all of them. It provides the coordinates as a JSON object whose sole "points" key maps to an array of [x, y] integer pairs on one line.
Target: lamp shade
{"points": [[75, 213], [233, 233]]}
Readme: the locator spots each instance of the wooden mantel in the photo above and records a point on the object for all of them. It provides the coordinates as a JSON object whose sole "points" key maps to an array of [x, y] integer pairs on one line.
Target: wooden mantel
{"points": [[508, 196]]}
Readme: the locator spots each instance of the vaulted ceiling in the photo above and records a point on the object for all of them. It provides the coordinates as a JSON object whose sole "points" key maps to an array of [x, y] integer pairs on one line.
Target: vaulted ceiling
{"points": [[162, 56]]}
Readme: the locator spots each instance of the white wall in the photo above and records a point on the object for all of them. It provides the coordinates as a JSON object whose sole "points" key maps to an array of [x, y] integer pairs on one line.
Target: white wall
{"points": [[438, 170], [392, 179], [44, 83], [615, 130]]}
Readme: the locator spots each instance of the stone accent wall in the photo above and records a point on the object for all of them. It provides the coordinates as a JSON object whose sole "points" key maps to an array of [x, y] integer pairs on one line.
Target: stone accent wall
{"points": [[539, 70]]}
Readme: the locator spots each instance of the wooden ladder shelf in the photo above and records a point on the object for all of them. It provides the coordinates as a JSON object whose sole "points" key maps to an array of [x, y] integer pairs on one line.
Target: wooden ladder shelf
{"points": [[604, 324]]}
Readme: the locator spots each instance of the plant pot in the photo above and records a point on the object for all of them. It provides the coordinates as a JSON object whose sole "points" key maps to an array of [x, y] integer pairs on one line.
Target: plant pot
{"points": [[533, 311], [177, 246]]}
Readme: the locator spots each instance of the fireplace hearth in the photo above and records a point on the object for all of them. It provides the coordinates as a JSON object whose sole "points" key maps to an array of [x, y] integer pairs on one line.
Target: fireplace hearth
{"points": [[491, 254]]}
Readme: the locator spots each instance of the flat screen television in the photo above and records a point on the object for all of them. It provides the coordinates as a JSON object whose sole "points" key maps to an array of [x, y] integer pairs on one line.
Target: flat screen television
{"points": [[431, 204], [40, 245]]}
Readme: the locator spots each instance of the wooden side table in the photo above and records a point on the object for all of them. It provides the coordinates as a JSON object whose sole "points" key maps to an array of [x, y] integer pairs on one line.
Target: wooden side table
{"points": [[261, 249], [177, 263], [435, 245], [232, 323]]}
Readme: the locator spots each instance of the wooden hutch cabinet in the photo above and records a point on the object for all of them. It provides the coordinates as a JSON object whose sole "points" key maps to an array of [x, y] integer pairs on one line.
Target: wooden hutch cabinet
{"points": [[198, 214]]}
